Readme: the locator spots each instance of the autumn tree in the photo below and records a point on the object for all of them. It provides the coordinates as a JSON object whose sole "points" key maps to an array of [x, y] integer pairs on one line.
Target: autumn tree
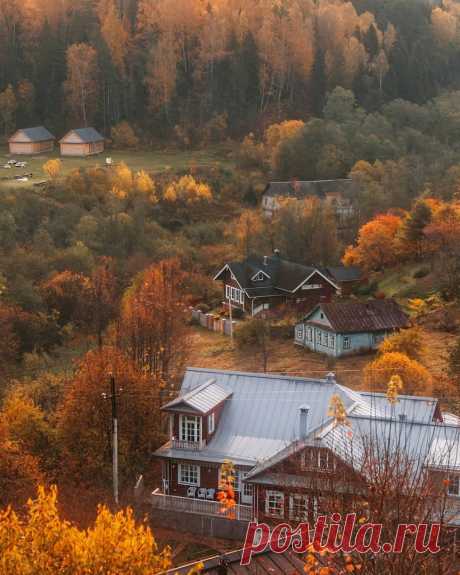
{"points": [[153, 320], [52, 168], [255, 334], [82, 84], [413, 231], [19, 471], [123, 136], [85, 424], [377, 245], [246, 231], [415, 377], [407, 341], [187, 191], [8, 105], [41, 541]]}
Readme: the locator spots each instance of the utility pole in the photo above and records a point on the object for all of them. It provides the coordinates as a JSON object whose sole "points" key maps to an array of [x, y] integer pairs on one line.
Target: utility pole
{"points": [[114, 438]]}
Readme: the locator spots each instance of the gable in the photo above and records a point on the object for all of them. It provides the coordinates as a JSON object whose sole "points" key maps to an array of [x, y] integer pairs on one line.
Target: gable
{"points": [[28, 135], [318, 316], [315, 280]]}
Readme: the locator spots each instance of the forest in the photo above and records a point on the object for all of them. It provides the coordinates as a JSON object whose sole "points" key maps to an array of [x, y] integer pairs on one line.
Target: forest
{"points": [[197, 72]]}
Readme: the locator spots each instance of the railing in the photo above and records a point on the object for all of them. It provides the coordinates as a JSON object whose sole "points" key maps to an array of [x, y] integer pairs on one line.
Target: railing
{"points": [[190, 445], [199, 506]]}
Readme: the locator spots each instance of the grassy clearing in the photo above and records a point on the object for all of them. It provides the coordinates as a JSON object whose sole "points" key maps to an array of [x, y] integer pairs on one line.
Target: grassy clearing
{"points": [[151, 161], [402, 283], [213, 350]]}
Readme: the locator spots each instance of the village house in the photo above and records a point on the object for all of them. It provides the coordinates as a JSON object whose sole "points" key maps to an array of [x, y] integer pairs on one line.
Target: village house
{"points": [[82, 142], [287, 447], [262, 283], [335, 194], [30, 141], [343, 327]]}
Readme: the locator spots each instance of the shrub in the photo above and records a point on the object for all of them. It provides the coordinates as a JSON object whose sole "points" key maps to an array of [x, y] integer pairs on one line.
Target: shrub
{"points": [[123, 136], [421, 273], [408, 341]]}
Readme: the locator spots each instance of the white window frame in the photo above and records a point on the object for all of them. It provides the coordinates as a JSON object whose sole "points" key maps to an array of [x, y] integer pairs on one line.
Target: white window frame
{"points": [[346, 342], [310, 334], [211, 423], [298, 512], [312, 458], [183, 429], [192, 473], [332, 341], [274, 504], [456, 479], [260, 276], [318, 336], [300, 332]]}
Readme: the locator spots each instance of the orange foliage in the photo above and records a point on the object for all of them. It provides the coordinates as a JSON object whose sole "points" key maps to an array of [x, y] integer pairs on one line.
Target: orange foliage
{"points": [[377, 245], [84, 427], [153, 320], [415, 377]]}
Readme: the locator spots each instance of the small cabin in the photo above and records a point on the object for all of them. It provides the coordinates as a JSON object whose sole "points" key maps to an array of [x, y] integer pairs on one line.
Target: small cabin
{"points": [[82, 142], [345, 327], [30, 141]]}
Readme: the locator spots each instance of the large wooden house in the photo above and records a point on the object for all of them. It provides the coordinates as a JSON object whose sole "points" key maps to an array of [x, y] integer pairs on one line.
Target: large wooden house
{"points": [[291, 456], [262, 283], [30, 141], [82, 142], [346, 327]]}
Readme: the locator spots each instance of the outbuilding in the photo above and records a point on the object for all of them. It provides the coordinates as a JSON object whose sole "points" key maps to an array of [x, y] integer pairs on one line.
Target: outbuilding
{"points": [[343, 327], [30, 141], [82, 142]]}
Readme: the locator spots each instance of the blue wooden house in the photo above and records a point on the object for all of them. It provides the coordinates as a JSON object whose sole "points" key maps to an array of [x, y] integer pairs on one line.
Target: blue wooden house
{"points": [[344, 327]]}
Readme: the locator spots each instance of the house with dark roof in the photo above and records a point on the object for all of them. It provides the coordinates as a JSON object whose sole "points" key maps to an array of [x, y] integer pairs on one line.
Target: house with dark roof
{"points": [[342, 327], [30, 141], [261, 283], [336, 194], [82, 142], [291, 456]]}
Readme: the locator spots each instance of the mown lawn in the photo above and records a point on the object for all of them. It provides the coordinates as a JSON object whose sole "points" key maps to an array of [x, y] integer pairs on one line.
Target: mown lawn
{"points": [[152, 161]]}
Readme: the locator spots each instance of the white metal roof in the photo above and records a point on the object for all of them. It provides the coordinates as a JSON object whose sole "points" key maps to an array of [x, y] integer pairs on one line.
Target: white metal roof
{"points": [[202, 398]]}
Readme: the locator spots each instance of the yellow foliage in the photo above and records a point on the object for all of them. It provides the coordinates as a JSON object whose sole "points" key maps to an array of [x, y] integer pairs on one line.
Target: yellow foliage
{"points": [[52, 168], [123, 177], [146, 186], [415, 376], [337, 411], [395, 385], [188, 191], [42, 542], [408, 341]]}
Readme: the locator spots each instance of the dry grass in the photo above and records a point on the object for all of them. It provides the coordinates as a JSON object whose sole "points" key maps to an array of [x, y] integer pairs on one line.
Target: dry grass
{"points": [[213, 350]]}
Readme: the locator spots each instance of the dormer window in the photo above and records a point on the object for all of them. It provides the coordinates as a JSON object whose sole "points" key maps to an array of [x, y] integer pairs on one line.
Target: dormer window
{"points": [[317, 459], [190, 428], [260, 276]]}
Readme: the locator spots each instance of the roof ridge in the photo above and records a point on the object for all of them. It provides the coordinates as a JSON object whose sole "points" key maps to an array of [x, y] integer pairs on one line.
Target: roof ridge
{"points": [[255, 374]]}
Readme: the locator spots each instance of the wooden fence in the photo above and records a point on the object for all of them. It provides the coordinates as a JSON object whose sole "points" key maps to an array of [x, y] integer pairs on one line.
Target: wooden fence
{"points": [[213, 322]]}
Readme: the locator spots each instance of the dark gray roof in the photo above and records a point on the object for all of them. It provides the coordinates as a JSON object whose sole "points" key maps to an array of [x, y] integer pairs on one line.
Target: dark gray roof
{"points": [[37, 134], [344, 273], [282, 275], [304, 189], [88, 135], [266, 563], [360, 317]]}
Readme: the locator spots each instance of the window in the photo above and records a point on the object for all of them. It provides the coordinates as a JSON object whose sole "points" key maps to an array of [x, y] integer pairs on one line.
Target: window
{"points": [[309, 334], [211, 423], [260, 276], [299, 332], [318, 337], [190, 428], [332, 341], [188, 474], [346, 343], [274, 503], [298, 507], [247, 487], [454, 485], [317, 459], [325, 339], [227, 292]]}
